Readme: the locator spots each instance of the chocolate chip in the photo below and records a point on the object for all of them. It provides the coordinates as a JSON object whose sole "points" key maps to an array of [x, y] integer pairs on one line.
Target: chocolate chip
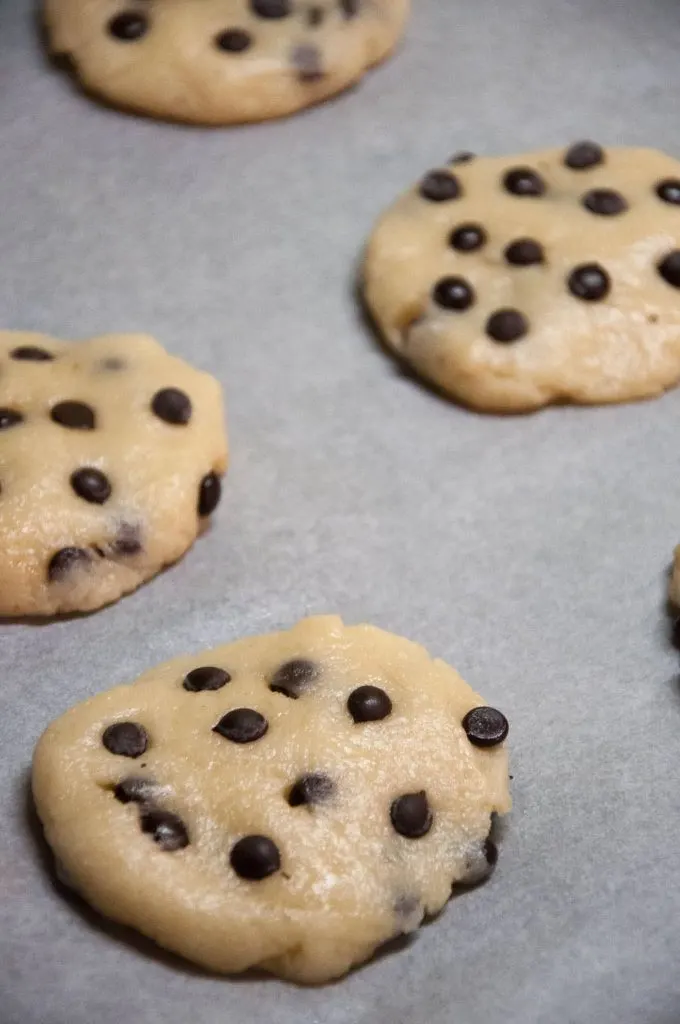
{"points": [[294, 677], [127, 739], [589, 281], [438, 186], [583, 155], [91, 484], [669, 268], [605, 202], [135, 789], [464, 157], [315, 16], [507, 325], [524, 252], [112, 363], [485, 727], [523, 181], [255, 857], [128, 541], [411, 816], [172, 405], [128, 26], [308, 62], [167, 829], [31, 354], [207, 677], [369, 704], [75, 415], [209, 493], [311, 789], [271, 8], [453, 293], [9, 418], [350, 8], [233, 40], [468, 237], [64, 561], [242, 725], [669, 191]]}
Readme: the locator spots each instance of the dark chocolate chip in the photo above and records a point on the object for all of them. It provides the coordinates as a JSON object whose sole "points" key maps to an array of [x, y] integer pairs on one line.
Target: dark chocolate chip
{"points": [[271, 8], [411, 816], [127, 739], [91, 484], [315, 16], [453, 293], [128, 541], [669, 191], [167, 829], [308, 62], [209, 493], [206, 677], [524, 252], [369, 704], [589, 281], [507, 325], [233, 40], [32, 354], [311, 789], [669, 268], [294, 677], [128, 26], [75, 415], [468, 237], [9, 418], [255, 857], [172, 405], [485, 727], [464, 157], [350, 8], [135, 789], [583, 155], [523, 181], [438, 186], [242, 725], [605, 202], [64, 561]]}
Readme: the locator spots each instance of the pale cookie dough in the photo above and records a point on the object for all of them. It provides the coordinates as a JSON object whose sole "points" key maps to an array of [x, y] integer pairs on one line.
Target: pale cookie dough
{"points": [[111, 453], [514, 282], [288, 801], [674, 586], [222, 61]]}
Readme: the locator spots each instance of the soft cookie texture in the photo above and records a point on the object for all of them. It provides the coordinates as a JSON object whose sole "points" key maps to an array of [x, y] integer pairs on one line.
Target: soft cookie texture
{"points": [[111, 453], [515, 282], [674, 586], [222, 61], [288, 801]]}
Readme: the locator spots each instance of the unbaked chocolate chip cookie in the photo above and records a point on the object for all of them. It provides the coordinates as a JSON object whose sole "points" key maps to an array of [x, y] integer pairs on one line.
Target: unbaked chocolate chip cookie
{"points": [[515, 282], [222, 61], [288, 801], [111, 454]]}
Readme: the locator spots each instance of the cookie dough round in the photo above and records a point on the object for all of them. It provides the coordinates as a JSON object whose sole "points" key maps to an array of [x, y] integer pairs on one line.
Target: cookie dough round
{"points": [[221, 61], [111, 453], [288, 801], [515, 282]]}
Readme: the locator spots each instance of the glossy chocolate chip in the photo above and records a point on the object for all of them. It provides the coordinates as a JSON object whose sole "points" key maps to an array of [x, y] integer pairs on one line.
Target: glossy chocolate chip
{"points": [[605, 202], [209, 494], [65, 561], [669, 268], [127, 739], [172, 406], [31, 354], [308, 62], [129, 26], [167, 829], [411, 816], [294, 677], [507, 325], [589, 281], [350, 8], [271, 8], [524, 252], [485, 727], [314, 788], [233, 40], [439, 186], [369, 704], [453, 293], [467, 237], [242, 725], [669, 191], [74, 415], [9, 418], [463, 157], [206, 677], [128, 540], [91, 485], [255, 857], [583, 155], [135, 789], [523, 181]]}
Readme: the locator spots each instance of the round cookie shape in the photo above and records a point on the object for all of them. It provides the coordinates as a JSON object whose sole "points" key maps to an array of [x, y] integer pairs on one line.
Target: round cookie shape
{"points": [[98, 491], [302, 849], [572, 256], [221, 61]]}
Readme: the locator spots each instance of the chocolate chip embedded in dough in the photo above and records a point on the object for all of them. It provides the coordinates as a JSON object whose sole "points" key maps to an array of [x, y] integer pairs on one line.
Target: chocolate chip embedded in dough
{"points": [[112, 363], [209, 494], [523, 181], [583, 155], [669, 191], [91, 484], [507, 325], [167, 829], [65, 560], [590, 282], [206, 677], [440, 186], [9, 418], [126, 739], [468, 237], [369, 704], [605, 202], [669, 268], [314, 788], [31, 354], [172, 406], [453, 293], [129, 26], [135, 789], [128, 540], [524, 252], [315, 16], [242, 725], [308, 62], [233, 40], [294, 677], [255, 858], [74, 415], [485, 726], [411, 816], [271, 8]]}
